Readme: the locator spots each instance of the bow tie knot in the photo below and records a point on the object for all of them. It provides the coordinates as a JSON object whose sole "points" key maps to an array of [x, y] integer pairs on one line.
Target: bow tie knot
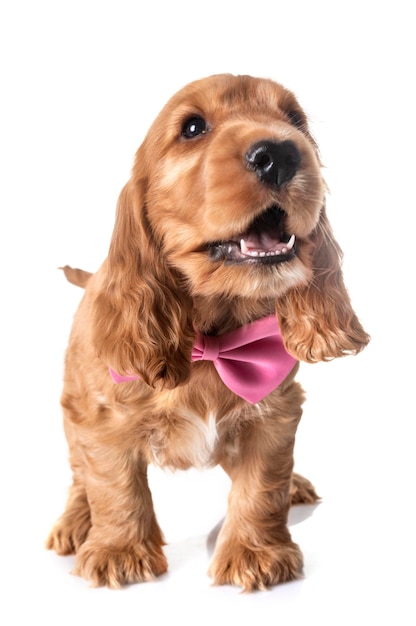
{"points": [[209, 346]]}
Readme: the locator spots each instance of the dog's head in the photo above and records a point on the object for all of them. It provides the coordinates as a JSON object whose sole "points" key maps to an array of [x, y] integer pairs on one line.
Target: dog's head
{"points": [[233, 186], [226, 201]]}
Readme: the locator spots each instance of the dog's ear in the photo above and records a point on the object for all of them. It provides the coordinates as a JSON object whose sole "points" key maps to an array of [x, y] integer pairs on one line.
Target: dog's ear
{"points": [[142, 316], [317, 321]]}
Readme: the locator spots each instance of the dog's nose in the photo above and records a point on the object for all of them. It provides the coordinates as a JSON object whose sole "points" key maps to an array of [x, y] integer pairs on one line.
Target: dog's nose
{"points": [[274, 162]]}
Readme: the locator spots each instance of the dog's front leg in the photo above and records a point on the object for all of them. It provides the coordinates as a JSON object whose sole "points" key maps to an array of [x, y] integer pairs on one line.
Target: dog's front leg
{"points": [[124, 544], [254, 548]]}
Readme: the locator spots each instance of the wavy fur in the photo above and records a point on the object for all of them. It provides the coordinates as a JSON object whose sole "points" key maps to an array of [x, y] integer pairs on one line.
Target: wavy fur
{"points": [[190, 190], [317, 320]]}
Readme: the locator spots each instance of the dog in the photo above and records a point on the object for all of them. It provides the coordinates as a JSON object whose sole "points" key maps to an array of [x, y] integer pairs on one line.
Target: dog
{"points": [[222, 274]]}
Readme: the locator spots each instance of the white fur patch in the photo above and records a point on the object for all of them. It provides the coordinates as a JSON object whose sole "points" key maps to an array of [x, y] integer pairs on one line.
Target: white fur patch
{"points": [[190, 442], [173, 169]]}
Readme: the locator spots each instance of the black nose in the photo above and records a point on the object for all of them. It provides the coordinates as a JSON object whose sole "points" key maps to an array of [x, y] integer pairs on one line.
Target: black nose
{"points": [[274, 162]]}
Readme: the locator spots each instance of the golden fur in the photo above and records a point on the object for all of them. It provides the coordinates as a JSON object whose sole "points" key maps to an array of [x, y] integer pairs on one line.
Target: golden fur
{"points": [[139, 315]]}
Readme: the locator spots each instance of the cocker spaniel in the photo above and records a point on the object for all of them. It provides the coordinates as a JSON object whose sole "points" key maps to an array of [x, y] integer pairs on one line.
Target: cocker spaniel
{"points": [[222, 273]]}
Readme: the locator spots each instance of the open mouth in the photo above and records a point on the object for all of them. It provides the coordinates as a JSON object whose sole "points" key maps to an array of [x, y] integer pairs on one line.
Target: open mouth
{"points": [[265, 241]]}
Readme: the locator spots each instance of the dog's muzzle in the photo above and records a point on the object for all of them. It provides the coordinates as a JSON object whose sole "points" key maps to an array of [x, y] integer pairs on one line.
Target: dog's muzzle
{"points": [[265, 241]]}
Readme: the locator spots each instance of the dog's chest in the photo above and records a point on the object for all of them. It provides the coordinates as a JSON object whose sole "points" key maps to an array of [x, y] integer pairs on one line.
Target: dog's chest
{"points": [[182, 440]]}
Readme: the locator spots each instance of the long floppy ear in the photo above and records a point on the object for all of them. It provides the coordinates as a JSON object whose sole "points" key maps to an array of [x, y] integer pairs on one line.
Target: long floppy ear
{"points": [[317, 321], [142, 316]]}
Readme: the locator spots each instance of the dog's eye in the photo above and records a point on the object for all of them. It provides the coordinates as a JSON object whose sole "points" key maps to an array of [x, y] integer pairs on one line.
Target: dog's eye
{"points": [[193, 127], [297, 119]]}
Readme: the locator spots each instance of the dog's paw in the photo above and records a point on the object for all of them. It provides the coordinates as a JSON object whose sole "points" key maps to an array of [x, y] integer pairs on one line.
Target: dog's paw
{"points": [[68, 535], [104, 565], [256, 568]]}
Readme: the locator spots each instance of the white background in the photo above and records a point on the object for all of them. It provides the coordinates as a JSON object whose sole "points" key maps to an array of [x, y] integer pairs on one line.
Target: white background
{"points": [[80, 83]]}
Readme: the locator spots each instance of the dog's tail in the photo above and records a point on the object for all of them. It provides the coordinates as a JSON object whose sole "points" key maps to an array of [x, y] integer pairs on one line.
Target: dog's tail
{"points": [[76, 276]]}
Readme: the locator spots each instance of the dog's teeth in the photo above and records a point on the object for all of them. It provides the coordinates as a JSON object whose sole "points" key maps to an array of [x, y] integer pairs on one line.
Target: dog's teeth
{"points": [[256, 253], [291, 242]]}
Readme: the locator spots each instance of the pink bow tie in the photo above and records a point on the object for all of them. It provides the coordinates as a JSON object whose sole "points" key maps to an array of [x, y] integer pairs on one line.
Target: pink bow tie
{"points": [[251, 361]]}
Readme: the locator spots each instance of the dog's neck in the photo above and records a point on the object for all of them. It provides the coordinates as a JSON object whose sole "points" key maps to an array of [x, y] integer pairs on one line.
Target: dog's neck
{"points": [[219, 316]]}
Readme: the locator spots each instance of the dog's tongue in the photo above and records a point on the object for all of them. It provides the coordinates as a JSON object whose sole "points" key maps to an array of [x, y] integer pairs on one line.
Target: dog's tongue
{"points": [[265, 237], [264, 234], [260, 242]]}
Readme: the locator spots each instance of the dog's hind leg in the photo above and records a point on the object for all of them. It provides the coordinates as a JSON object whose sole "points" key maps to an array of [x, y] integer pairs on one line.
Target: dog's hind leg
{"points": [[302, 491]]}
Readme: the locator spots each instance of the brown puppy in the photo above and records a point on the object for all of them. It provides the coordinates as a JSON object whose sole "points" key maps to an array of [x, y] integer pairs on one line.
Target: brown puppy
{"points": [[222, 224]]}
